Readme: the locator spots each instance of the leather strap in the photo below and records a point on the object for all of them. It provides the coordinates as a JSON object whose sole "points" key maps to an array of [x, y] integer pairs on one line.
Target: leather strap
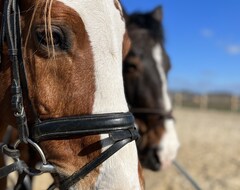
{"points": [[121, 138], [3, 29], [164, 115], [11, 31], [70, 127], [20, 181], [16, 166]]}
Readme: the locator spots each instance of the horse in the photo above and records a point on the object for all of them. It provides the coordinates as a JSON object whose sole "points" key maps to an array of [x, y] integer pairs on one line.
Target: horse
{"points": [[145, 72], [62, 91]]}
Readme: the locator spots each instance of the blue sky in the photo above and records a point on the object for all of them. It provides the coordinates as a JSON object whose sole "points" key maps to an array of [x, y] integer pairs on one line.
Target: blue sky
{"points": [[203, 41]]}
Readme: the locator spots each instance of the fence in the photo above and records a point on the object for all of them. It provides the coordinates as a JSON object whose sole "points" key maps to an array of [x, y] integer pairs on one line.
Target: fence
{"points": [[207, 101]]}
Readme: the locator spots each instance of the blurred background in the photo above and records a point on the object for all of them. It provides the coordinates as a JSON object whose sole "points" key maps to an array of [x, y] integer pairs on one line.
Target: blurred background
{"points": [[203, 42]]}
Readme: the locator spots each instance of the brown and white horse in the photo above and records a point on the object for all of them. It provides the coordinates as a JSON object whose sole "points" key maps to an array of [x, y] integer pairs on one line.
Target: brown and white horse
{"points": [[145, 76], [73, 52]]}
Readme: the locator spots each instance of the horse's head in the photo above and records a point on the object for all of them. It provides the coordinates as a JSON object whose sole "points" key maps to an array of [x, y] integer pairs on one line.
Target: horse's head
{"points": [[73, 53], [145, 75]]}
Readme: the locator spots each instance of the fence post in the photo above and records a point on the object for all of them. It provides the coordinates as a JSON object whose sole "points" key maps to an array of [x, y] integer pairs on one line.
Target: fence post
{"points": [[204, 102], [234, 103], [179, 99]]}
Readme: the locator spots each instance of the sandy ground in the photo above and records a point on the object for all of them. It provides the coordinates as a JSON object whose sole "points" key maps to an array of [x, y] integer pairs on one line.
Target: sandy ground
{"points": [[210, 152]]}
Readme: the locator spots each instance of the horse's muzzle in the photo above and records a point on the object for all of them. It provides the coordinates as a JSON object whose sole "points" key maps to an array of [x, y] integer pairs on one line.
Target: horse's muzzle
{"points": [[149, 159]]}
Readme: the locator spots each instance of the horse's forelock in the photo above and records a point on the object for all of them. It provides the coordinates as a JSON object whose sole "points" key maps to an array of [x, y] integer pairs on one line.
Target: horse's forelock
{"points": [[46, 5]]}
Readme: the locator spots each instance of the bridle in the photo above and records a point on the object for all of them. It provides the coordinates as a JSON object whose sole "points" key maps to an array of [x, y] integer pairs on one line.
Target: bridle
{"points": [[143, 112], [140, 113], [151, 111], [119, 126]]}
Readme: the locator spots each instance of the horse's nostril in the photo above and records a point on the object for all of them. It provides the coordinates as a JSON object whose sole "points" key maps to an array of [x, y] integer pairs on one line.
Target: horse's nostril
{"points": [[150, 160], [156, 167]]}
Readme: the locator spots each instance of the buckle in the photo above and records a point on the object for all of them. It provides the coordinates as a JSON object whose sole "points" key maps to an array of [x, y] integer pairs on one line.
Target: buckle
{"points": [[44, 167]]}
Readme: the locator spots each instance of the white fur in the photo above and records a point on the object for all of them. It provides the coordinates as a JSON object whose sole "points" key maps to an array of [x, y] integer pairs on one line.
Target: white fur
{"points": [[158, 56], [105, 28], [170, 143]]}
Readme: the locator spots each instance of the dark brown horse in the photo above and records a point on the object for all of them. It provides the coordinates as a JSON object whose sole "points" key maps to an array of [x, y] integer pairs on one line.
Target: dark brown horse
{"points": [[72, 54], [145, 75]]}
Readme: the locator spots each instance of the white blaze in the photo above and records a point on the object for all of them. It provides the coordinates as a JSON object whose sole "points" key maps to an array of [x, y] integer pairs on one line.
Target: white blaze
{"points": [[169, 144], [158, 56], [105, 29]]}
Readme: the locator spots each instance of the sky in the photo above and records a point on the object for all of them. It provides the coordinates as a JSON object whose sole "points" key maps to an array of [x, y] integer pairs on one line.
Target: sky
{"points": [[202, 40]]}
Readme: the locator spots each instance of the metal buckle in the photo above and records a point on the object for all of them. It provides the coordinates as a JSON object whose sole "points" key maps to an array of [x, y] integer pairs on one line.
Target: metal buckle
{"points": [[44, 167], [19, 114]]}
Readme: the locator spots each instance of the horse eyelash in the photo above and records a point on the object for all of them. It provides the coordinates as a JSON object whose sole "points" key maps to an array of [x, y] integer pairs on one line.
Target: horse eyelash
{"points": [[47, 23]]}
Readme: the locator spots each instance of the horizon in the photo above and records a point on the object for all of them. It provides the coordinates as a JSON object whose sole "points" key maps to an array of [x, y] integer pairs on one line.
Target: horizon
{"points": [[203, 42]]}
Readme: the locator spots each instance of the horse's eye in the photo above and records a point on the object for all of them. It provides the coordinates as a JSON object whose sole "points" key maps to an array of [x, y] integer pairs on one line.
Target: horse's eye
{"points": [[41, 38], [56, 39], [129, 67]]}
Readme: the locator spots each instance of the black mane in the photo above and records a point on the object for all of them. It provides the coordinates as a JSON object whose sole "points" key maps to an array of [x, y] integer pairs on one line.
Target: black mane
{"points": [[146, 21]]}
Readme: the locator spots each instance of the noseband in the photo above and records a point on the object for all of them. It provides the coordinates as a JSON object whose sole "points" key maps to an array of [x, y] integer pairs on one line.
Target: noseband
{"points": [[119, 126], [141, 113], [152, 111]]}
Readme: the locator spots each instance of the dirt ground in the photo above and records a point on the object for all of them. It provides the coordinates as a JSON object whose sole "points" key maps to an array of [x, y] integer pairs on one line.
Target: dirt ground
{"points": [[210, 152]]}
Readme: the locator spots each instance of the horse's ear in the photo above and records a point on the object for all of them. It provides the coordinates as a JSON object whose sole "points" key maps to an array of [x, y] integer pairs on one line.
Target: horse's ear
{"points": [[126, 45], [157, 13], [119, 4], [125, 15]]}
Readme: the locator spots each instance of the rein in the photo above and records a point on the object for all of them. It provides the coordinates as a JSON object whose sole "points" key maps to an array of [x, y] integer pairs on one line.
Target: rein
{"points": [[119, 126]]}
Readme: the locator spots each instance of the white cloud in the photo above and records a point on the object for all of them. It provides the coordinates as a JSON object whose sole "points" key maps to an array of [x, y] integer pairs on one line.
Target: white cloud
{"points": [[207, 33], [233, 49]]}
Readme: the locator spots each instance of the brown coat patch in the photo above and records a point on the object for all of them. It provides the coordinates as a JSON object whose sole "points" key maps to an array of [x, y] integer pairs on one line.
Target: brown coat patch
{"points": [[126, 44]]}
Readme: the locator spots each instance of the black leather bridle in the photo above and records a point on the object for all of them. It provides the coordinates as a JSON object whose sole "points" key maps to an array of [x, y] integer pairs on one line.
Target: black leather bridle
{"points": [[119, 126], [151, 111]]}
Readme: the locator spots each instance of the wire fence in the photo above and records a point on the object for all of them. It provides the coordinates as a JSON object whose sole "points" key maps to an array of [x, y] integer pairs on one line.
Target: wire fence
{"points": [[224, 102]]}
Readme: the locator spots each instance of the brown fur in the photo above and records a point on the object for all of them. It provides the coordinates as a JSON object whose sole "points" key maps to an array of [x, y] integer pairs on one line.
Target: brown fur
{"points": [[126, 44], [150, 136]]}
